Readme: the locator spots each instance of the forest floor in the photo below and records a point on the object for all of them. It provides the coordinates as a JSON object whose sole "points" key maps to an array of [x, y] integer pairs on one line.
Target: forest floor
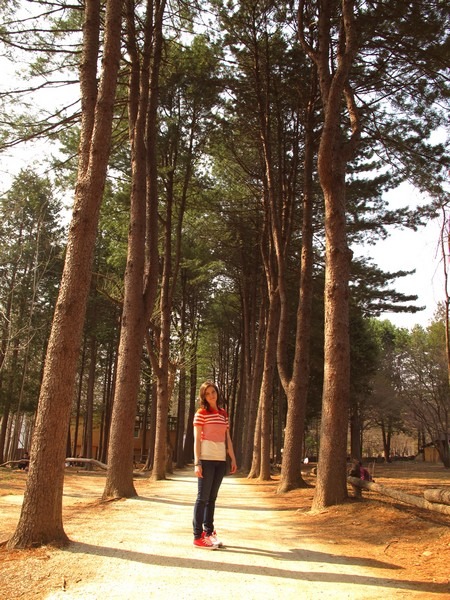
{"points": [[276, 547]]}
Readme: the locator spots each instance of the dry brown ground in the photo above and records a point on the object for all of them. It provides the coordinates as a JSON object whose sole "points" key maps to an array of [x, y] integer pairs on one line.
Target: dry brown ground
{"points": [[141, 548]]}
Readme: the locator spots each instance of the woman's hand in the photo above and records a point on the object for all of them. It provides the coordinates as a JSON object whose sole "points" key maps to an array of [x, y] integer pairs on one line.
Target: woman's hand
{"points": [[198, 471]]}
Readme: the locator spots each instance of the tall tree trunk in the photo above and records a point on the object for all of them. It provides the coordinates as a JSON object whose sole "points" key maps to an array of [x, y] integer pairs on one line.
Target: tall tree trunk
{"points": [[252, 403], [171, 267], [181, 412], [188, 449], [445, 250], [296, 387], [334, 153], [181, 415], [331, 479], [90, 402], [41, 516], [5, 333], [152, 436], [79, 394], [385, 431], [109, 399], [256, 456], [144, 444], [141, 275], [4, 429], [355, 433], [241, 397], [266, 393], [162, 368]]}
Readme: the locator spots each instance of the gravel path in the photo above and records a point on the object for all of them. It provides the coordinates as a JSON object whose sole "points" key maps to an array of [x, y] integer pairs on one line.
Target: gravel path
{"points": [[142, 548]]}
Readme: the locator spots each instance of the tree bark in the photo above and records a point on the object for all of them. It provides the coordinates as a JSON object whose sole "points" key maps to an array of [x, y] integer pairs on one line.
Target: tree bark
{"points": [[41, 516]]}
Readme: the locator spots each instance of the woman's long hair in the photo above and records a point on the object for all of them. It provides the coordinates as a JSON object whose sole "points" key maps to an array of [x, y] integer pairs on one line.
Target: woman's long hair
{"points": [[201, 394]]}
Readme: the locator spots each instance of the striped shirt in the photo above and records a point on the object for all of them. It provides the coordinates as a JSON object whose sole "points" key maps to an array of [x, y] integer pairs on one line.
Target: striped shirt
{"points": [[214, 425]]}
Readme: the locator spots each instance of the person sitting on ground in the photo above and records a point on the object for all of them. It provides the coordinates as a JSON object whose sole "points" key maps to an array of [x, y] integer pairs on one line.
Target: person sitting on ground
{"points": [[24, 462]]}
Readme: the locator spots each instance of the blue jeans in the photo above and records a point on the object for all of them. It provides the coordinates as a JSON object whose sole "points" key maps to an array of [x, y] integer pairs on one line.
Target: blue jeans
{"points": [[213, 472]]}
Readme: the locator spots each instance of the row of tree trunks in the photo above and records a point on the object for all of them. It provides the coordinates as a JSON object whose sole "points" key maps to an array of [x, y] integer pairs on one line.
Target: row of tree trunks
{"points": [[398, 495]]}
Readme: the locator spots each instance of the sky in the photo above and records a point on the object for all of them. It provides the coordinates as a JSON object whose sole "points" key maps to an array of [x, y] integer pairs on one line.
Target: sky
{"points": [[407, 250]]}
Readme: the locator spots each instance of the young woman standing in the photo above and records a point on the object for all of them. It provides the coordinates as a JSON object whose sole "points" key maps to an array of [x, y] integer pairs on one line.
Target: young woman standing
{"points": [[212, 441]]}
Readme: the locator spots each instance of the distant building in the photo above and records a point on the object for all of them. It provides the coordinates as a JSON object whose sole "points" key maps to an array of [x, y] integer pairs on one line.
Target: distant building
{"points": [[137, 438], [430, 451]]}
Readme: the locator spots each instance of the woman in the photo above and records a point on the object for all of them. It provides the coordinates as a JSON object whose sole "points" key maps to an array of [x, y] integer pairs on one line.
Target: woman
{"points": [[212, 441]]}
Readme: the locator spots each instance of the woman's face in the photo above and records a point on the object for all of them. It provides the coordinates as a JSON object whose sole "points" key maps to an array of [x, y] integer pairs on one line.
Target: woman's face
{"points": [[211, 395]]}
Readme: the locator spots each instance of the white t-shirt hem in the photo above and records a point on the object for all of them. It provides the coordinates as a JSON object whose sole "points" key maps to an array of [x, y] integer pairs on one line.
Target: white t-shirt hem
{"points": [[212, 450]]}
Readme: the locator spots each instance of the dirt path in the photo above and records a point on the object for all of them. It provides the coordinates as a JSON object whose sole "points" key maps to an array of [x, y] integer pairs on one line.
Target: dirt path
{"points": [[142, 548]]}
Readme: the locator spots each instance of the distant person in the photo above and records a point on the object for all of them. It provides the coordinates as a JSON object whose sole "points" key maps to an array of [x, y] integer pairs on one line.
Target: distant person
{"points": [[24, 462], [359, 471], [212, 441]]}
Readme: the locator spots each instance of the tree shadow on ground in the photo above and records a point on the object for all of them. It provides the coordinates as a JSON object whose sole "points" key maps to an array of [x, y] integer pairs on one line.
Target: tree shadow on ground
{"points": [[294, 555]]}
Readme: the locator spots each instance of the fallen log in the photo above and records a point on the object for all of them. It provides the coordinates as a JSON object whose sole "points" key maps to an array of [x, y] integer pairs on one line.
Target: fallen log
{"points": [[15, 462], [89, 461], [397, 495], [437, 495]]}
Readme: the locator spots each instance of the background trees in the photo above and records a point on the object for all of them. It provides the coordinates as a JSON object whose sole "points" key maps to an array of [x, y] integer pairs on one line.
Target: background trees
{"points": [[31, 240], [425, 385]]}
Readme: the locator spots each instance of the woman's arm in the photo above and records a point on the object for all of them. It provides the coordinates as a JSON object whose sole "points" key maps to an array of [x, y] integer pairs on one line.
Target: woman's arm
{"points": [[230, 451], [197, 450]]}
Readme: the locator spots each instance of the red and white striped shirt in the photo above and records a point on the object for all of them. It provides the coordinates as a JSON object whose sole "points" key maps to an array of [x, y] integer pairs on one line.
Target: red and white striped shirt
{"points": [[214, 425]]}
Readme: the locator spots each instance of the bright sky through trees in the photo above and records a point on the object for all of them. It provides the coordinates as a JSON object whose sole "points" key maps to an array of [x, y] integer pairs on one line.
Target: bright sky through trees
{"points": [[407, 250]]}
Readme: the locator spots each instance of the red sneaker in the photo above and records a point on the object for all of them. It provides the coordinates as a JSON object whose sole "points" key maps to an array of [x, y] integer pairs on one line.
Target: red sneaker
{"points": [[214, 539], [205, 542]]}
